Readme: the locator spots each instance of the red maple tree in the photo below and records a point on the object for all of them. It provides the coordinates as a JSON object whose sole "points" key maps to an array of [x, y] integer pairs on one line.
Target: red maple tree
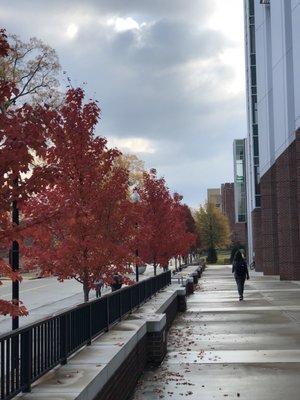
{"points": [[87, 230], [23, 139], [191, 227], [183, 238], [164, 221]]}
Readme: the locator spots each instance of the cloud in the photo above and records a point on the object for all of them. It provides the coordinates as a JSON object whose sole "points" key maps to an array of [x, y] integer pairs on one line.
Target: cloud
{"points": [[169, 77], [123, 24], [138, 146]]}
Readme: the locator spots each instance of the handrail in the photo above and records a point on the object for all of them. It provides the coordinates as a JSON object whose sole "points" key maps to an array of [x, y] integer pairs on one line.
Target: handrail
{"points": [[29, 352]]}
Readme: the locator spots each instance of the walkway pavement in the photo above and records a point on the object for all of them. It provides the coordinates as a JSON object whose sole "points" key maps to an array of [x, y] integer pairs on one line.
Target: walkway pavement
{"points": [[225, 349]]}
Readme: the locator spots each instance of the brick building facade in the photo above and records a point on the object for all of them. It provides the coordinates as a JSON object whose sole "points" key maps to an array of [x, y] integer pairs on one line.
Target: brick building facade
{"points": [[277, 225], [238, 230]]}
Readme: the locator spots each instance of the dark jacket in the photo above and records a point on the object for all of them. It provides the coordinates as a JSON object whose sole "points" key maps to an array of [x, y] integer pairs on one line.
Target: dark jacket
{"points": [[117, 283], [240, 269]]}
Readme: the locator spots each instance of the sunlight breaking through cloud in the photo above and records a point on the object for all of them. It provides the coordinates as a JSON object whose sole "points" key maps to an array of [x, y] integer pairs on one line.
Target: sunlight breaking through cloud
{"points": [[72, 31], [133, 145], [123, 24]]}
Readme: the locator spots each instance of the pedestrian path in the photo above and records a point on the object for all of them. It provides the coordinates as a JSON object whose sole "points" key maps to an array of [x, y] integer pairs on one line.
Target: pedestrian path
{"points": [[225, 349]]}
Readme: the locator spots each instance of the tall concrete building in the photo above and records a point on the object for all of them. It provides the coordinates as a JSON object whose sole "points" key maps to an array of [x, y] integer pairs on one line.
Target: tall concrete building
{"points": [[272, 38]]}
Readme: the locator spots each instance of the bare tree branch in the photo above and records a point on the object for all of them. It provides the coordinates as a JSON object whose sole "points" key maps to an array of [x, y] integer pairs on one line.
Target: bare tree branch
{"points": [[33, 67]]}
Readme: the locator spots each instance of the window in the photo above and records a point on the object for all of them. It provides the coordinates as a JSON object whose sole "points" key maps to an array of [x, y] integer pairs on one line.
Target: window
{"points": [[257, 179], [254, 110], [252, 39], [255, 146], [239, 181], [257, 201], [254, 90], [253, 75], [255, 130], [256, 159], [251, 7]]}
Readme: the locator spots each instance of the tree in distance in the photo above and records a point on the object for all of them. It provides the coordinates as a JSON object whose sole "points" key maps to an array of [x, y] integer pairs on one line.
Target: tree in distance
{"points": [[135, 166], [33, 68], [192, 228], [213, 228], [164, 220]]}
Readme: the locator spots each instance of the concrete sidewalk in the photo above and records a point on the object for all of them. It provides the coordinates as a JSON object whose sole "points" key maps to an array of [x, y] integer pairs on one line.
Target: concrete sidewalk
{"points": [[225, 349]]}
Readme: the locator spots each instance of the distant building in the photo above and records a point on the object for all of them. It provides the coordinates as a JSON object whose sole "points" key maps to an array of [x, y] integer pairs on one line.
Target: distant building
{"points": [[214, 197], [238, 230], [225, 199]]}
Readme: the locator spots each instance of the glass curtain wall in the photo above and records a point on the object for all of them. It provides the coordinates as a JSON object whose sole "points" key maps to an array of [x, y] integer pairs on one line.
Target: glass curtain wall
{"points": [[253, 88], [240, 181]]}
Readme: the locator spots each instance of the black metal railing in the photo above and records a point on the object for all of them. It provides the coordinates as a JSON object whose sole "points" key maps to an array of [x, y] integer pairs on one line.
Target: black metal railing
{"points": [[28, 353]]}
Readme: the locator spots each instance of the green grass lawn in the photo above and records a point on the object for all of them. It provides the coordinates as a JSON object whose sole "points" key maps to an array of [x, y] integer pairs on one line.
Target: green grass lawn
{"points": [[223, 257]]}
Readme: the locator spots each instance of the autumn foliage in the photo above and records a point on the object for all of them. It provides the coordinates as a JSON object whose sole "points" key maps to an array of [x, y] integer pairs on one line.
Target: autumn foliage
{"points": [[164, 223], [22, 138], [213, 228], [87, 229], [78, 220]]}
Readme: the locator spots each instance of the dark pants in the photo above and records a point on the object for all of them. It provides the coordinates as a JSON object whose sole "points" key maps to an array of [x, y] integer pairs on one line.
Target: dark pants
{"points": [[240, 281]]}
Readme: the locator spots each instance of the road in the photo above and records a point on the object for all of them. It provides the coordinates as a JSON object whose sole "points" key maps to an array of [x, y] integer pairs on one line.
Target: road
{"points": [[42, 298], [46, 296]]}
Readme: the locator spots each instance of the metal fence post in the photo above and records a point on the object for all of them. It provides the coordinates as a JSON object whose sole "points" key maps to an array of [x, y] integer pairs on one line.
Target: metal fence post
{"points": [[120, 305], [89, 342], [26, 360], [107, 313], [139, 294], [63, 332]]}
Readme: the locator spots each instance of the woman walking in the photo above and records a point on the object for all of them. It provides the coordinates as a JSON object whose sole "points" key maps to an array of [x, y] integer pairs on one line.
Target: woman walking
{"points": [[240, 270], [98, 287]]}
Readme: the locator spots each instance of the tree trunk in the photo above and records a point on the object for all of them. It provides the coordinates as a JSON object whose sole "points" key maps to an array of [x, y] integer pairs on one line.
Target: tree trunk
{"points": [[212, 256], [155, 267], [86, 292]]}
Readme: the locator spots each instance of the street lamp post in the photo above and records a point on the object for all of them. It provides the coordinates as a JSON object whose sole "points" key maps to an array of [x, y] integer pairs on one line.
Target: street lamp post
{"points": [[136, 198], [14, 259], [136, 267]]}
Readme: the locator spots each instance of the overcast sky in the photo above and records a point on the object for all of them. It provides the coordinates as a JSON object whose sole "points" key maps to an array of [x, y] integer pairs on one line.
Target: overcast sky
{"points": [[169, 76]]}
